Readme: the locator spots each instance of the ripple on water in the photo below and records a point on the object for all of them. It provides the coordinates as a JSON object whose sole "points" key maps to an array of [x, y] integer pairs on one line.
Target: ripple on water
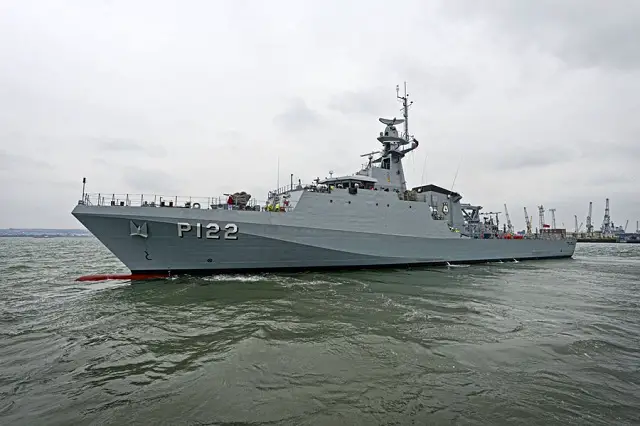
{"points": [[537, 342]]}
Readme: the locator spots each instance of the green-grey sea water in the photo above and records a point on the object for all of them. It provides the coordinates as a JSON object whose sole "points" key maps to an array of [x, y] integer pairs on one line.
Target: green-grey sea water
{"points": [[544, 342]]}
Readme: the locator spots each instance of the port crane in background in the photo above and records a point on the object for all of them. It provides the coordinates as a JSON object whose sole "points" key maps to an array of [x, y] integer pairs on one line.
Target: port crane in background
{"points": [[608, 229], [541, 214], [589, 224], [527, 221], [606, 222], [578, 228], [509, 224]]}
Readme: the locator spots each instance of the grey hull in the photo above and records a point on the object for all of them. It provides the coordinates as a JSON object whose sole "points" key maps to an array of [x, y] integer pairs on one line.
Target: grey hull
{"points": [[277, 241]]}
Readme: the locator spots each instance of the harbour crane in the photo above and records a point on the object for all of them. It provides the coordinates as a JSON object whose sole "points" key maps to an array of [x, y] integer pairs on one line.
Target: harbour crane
{"points": [[589, 224], [527, 221], [541, 214], [606, 222], [509, 224], [553, 218], [578, 228]]}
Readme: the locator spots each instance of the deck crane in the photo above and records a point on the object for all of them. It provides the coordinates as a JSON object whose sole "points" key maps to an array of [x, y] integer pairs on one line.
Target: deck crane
{"points": [[553, 218], [527, 221], [509, 224], [589, 224]]}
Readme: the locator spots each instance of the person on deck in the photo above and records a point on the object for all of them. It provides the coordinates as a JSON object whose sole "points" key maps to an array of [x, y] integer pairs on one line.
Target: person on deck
{"points": [[230, 203]]}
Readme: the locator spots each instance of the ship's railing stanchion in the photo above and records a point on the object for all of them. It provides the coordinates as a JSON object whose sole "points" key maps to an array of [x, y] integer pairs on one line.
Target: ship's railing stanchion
{"points": [[241, 202]]}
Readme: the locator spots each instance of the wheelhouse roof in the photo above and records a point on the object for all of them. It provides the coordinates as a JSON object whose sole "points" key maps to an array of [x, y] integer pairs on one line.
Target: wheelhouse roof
{"points": [[355, 178], [435, 188]]}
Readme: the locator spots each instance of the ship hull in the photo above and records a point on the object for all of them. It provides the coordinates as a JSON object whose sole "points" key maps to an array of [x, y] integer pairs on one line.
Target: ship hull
{"points": [[176, 241]]}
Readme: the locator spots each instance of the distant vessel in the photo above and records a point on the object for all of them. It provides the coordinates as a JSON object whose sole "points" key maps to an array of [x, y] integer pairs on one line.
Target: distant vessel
{"points": [[367, 219]]}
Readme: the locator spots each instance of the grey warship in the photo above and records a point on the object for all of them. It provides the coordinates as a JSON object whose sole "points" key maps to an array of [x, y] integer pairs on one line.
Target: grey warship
{"points": [[368, 219]]}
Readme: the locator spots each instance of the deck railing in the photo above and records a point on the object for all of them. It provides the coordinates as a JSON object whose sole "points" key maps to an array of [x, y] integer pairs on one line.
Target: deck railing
{"points": [[152, 200], [293, 187]]}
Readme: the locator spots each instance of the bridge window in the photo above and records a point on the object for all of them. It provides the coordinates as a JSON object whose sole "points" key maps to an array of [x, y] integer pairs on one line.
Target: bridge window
{"points": [[352, 184]]}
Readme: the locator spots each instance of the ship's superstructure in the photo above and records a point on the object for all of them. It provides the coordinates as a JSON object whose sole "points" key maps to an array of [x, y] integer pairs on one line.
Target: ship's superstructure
{"points": [[367, 219]]}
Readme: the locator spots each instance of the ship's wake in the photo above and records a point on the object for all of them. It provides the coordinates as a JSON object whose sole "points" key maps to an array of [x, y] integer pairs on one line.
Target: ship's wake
{"points": [[449, 265]]}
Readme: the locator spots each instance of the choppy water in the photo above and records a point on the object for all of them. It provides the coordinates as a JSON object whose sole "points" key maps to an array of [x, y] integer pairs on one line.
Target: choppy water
{"points": [[548, 342]]}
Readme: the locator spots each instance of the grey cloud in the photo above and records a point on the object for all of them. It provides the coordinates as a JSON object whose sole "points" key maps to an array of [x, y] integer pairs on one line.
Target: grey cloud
{"points": [[452, 81], [599, 157], [629, 150], [100, 162], [613, 150], [151, 181], [297, 116], [531, 156], [583, 33], [74, 102], [449, 82], [10, 161], [530, 160], [606, 177], [367, 102], [114, 145]]}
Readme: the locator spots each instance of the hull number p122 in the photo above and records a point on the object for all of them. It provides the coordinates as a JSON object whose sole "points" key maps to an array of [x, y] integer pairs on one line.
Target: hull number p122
{"points": [[211, 230]]}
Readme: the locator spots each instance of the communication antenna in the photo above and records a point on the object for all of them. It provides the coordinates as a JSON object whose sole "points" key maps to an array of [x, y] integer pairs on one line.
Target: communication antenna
{"points": [[456, 175], [405, 112], [405, 108]]}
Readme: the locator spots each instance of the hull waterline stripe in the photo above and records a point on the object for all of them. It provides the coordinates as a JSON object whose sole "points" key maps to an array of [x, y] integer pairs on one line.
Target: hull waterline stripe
{"points": [[132, 276]]}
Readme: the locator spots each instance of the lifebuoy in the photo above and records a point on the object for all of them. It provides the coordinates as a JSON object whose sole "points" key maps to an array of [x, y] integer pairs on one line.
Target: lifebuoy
{"points": [[196, 205]]}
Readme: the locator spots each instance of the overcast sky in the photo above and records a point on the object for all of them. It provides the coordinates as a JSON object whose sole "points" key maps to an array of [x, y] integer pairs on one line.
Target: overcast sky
{"points": [[538, 102]]}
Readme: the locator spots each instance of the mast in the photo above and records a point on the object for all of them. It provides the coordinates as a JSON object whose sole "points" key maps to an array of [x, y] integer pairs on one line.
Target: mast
{"points": [[405, 109]]}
